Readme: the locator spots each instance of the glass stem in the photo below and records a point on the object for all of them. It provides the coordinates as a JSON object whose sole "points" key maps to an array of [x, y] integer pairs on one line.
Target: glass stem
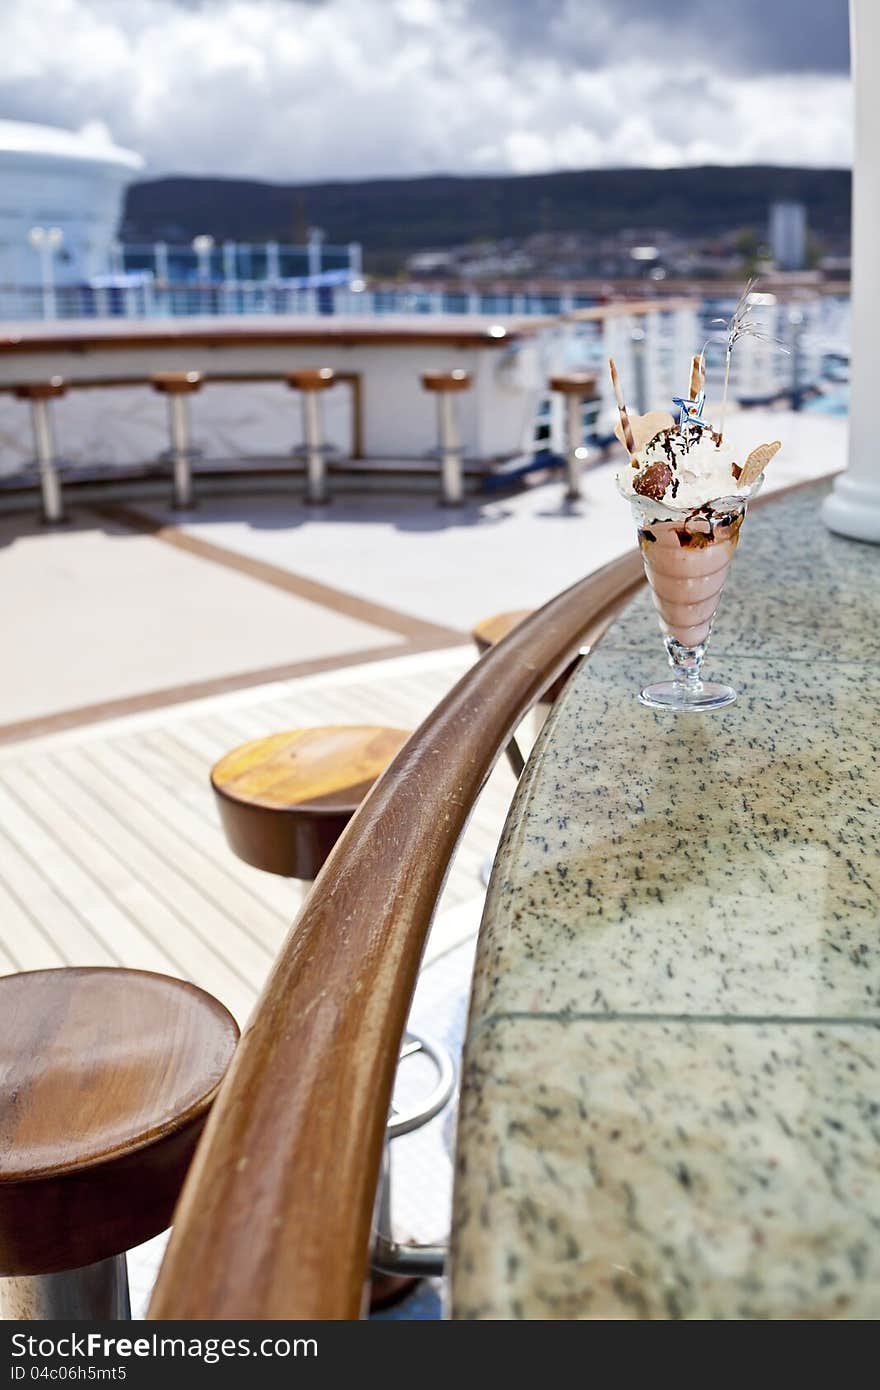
{"points": [[686, 662], [693, 675]]}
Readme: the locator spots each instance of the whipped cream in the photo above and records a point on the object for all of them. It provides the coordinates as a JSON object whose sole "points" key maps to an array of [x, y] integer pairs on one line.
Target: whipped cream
{"points": [[701, 468]]}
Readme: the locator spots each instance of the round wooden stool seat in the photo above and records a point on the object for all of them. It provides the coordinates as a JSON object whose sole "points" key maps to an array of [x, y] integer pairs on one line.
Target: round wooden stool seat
{"points": [[177, 383], [106, 1079], [581, 384], [456, 380], [310, 379], [491, 630], [285, 800], [41, 390]]}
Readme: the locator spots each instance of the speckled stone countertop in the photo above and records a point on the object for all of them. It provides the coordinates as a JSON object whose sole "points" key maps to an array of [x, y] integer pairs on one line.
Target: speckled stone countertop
{"points": [[671, 1092]]}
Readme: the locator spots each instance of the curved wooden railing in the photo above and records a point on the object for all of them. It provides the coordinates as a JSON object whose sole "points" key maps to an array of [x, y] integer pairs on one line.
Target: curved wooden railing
{"points": [[275, 1217]]}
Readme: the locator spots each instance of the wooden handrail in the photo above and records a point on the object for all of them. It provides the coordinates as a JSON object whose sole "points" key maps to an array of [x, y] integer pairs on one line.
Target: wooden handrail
{"points": [[621, 308], [333, 331], [618, 308], [338, 330], [276, 1214]]}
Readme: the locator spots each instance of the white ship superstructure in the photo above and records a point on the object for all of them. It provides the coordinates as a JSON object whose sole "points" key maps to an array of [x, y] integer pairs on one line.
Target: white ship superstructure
{"points": [[61, 203]]}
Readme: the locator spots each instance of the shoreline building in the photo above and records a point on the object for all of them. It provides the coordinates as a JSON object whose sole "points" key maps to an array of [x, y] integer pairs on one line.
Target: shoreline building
{"points": [[788, 235], [65, 183]]}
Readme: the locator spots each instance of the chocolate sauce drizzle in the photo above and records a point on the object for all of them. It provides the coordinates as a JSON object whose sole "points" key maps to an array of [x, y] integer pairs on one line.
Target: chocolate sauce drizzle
{"points": [[697, 539], [685, 438]]}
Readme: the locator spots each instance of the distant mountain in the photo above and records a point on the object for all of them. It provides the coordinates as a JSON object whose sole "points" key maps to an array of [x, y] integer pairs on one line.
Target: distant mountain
{"points": [[393, 217]]}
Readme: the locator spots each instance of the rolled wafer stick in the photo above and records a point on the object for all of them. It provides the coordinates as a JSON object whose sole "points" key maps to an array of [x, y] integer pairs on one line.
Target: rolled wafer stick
{"points": [[696, 376], [621, 406]]}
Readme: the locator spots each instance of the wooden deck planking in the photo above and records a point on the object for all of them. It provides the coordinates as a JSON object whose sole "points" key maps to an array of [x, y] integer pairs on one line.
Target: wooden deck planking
{"points": [[30, 863], [194, 807], [71, 867], [116, 855], [178, 836], [156, 855], [23, 942], [187, 944]]}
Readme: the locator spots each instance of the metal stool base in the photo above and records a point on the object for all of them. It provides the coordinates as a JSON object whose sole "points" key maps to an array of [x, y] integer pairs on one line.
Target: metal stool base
{"points": [[450, 452], [575, 430], [47, 463], [180, 453], [397, 1257], [316, 462], [93, 1293]]}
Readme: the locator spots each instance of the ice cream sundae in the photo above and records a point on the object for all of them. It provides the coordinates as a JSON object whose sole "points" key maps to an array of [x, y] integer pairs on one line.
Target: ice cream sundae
{"points": [[689, 490]]}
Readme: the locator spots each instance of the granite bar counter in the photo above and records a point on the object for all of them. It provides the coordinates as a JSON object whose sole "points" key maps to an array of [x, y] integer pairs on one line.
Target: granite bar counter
{"points": [[671, 1091]]}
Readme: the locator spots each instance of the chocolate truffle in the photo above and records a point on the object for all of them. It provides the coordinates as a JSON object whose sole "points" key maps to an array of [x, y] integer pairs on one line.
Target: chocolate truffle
{"points": [[653, 481]]}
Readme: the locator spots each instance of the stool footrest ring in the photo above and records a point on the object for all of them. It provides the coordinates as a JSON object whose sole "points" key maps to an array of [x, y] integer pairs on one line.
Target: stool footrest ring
{"points": [[404, 1122], [395, 1257]]}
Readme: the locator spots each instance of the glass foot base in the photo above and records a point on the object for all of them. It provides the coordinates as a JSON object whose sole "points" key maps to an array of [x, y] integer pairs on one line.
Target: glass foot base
{"points": [[677, 695]]}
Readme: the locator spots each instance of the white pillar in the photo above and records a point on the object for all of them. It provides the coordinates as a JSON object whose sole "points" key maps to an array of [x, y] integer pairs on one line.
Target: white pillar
{"points": [[853, 508]]}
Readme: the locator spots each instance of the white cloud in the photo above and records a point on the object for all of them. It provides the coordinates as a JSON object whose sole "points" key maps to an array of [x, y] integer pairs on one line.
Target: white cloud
{"points": [[289, 90]]}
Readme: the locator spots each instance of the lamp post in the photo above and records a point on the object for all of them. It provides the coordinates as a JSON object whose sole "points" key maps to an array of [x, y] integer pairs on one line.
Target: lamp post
{"points": [[45, 241], [160, 261], [203, 246], [853, 508]]}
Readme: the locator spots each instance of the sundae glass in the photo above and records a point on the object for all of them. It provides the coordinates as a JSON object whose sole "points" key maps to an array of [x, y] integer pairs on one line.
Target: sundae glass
{"points": [[689, 496]]}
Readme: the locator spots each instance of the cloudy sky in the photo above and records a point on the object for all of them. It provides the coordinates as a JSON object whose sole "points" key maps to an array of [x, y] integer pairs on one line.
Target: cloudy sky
{"points": [[320, 89]]}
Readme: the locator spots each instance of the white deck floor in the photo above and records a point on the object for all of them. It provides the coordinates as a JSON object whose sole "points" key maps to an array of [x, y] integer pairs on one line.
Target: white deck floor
{"points": [[455, 566]]}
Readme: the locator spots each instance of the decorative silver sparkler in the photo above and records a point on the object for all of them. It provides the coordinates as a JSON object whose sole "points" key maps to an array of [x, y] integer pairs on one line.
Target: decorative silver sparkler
{"points": [[741, 324]]}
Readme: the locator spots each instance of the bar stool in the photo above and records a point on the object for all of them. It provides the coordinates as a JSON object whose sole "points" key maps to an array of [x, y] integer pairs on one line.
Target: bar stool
{"points": [[575, 387], [310, 382], [445, 385], [485, 635], [106, 1080], [40, 394], [284, 800], [178, 386]]}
